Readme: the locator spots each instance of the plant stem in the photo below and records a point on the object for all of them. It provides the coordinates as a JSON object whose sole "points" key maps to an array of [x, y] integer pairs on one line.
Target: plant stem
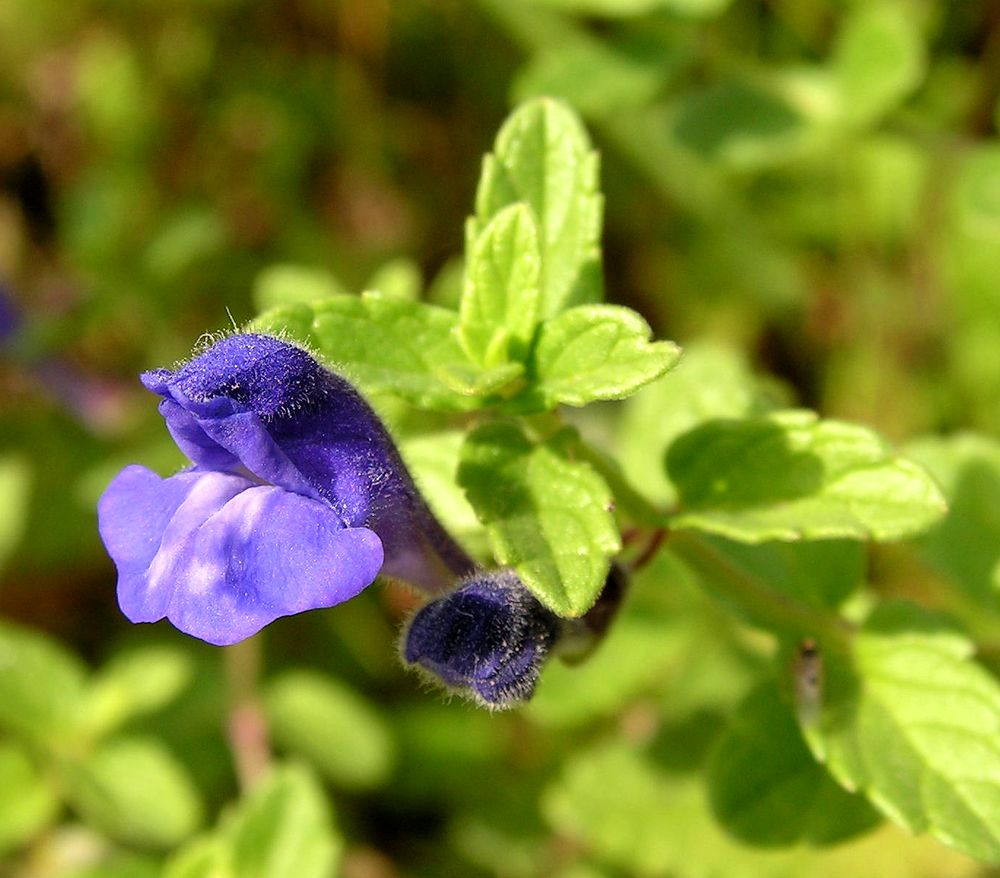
{"points": [[632, 502], [246, 726], [758, 600]]}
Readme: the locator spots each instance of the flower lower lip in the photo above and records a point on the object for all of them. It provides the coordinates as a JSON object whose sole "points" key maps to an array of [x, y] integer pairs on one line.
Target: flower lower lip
{"points": [[221, 556]]}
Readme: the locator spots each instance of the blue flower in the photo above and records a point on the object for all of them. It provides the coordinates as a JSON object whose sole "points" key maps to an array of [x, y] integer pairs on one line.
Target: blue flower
{"points": [[488, 639], [10, 316], [296, 499]]}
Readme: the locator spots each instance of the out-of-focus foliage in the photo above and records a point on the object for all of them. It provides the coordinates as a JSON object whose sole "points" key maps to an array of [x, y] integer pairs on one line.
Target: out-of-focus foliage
{"points": [[804, 194]]}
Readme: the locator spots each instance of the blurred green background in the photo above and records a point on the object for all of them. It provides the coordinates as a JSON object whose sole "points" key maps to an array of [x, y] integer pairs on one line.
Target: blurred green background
{"points": [[812, 186]]}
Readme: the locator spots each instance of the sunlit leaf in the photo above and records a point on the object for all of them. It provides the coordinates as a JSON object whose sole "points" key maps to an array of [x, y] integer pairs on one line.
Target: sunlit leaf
{"points": [[136, 791], [547, 516], [597, 352], [41, 685], [878, 60], [913, 723], [499, 307], [15, 486], [791, 476], [543, 157], [336, 730], [965, 545], [28, 801]]}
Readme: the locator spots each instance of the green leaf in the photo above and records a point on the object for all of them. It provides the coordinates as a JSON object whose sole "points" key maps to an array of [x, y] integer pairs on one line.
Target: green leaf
{"points": [[285, 828], [791, 476], [331, 726], [136, 791], [973, 261], [594, 77], [972, 267], [887, 177], [406, 348], [15, 487], [184, 242], [292, 322], [821, 573], [711, 381], [634, 661], [110, 862], [202, 858], [623, 811], [499, 308], [766, 788], [397, 277], [597, 352], [111, 93], [611, 797], [441, 745], [546, 515], [137, 682], [498, 831], [739, 124], [913, 723], [615, 802], [28, 804], [669, 644], [877, 61], [445, 288], [41, 686], [975, 204], [385, 343], [543, 158], [497, 383], [965, 545], [287, 284]]}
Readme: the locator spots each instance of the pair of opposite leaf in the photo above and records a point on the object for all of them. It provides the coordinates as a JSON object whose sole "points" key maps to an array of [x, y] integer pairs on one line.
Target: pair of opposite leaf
{"points": [[296, 500]]}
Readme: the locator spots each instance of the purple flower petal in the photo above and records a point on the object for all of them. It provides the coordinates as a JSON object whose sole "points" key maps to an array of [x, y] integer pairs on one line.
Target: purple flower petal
{"points": [[256, 404], [192, 439], [133, 514], [221, 556]]}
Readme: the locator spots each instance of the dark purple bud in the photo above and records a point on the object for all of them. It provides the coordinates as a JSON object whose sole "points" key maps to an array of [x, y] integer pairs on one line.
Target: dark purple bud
{"points": [[296, 499], [488, 638]]}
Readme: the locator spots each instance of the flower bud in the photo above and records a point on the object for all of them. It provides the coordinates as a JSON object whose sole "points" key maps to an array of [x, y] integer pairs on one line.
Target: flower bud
{"points": [[487, 639]]}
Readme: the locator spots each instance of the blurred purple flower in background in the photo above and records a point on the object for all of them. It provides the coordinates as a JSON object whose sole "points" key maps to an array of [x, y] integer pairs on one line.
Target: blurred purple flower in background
{"points": [[10, 316], [296, 500], [96, 402]]}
